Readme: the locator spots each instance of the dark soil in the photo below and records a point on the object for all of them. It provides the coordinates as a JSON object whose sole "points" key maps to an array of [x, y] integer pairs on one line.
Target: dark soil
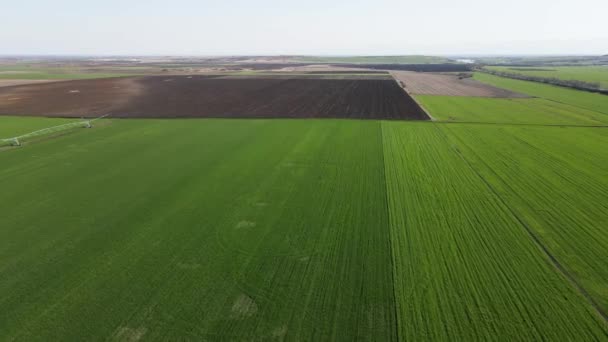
{"points": [[199, 96]]}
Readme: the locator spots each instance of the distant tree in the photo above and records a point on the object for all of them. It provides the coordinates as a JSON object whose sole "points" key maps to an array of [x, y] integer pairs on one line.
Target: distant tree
{"points": [[576, 84]]}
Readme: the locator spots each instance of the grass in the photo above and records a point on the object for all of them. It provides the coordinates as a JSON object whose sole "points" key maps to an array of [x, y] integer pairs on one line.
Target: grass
{"points": [[290, 229], [57, 76], [197, 229], [556, 180], [11, 126], [465, 268], [499, 110], [544, 61], [582, 99], [27, 72], [594, 74]]}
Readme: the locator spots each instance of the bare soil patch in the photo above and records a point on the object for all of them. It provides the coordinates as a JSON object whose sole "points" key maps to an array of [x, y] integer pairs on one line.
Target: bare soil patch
{"points": [[79, 98], [431, 67], [10, 83], [130, 334], [200, 96], [420, 83], [244, 306]]}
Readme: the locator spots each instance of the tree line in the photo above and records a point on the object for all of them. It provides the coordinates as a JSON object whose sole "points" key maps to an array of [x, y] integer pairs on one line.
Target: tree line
{"points": [[575, 84]]}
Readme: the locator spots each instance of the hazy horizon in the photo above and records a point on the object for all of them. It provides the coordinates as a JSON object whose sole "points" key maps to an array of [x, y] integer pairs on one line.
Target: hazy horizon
{"points": [[313, 28], [100, 55]]}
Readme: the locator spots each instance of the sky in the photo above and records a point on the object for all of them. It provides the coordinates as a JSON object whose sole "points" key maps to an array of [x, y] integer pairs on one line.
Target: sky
{"points": [[314, 27]]}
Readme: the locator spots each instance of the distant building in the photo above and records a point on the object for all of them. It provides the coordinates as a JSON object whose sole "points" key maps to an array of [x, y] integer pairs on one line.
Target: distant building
{"points": [[466, 61]]}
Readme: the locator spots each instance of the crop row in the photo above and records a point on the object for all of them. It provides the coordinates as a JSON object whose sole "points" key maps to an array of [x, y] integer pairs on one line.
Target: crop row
{"points": [[465, 267], [303, 230], [519, 111], [556, 181]]}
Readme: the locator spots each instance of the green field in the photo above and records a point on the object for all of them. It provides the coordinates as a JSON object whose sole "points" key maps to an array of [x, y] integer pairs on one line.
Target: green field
{"points": [[556, 181], [544, 61], [594, 74], [582, 99], [26, 72], [68, 75], [11, 126], [465, 267], [303, 230], [518, 111]]}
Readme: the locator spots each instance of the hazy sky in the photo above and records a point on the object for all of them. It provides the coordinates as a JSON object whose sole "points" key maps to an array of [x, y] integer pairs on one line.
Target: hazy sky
{"points": [[337, 27]]}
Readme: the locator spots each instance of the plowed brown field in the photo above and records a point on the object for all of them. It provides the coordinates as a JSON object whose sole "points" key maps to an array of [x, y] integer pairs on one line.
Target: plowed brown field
{"points": [[420, 83], [13, 82], [199, 96]]}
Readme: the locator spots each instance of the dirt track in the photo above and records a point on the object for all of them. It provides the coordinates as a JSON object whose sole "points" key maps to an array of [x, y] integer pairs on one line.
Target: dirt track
{"points": [[199, 96], [418, 83], [11, 82]]}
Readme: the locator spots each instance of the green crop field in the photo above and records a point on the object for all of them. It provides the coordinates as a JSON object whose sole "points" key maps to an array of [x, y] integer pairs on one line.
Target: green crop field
{"points": [[556, 181], [520, 111], [208, 229], [52, 76], [197, 229], [594, 74], [50, 73], [465, 266], [11, 126], [582, 99]]}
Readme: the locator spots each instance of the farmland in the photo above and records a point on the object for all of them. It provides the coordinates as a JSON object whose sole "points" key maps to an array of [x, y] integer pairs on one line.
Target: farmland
{"points": [[460, 261], [211, 96], [26, 72], [165, 222], [11, 126], [373, 59], [585, 100], [203, 245], [228, 241], [518, 111], [15, 82], [593, 74], [556, 182], [418, 83]]}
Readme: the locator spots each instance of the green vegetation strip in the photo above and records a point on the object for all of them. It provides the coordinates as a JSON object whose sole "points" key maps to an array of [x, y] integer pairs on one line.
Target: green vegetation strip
{"points": [[581, 99], [595, 74], [41, 73], [519, 111], [12, 126], [299, 230], [465, 268], [197, 229], [556, 179]]}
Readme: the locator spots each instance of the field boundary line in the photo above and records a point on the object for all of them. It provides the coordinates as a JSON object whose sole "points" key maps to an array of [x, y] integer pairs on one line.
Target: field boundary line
{"points": [[535, 238], [542, 97], [535, 79], [401, 85], [520, 124], [573, 105], [390, 235]]}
